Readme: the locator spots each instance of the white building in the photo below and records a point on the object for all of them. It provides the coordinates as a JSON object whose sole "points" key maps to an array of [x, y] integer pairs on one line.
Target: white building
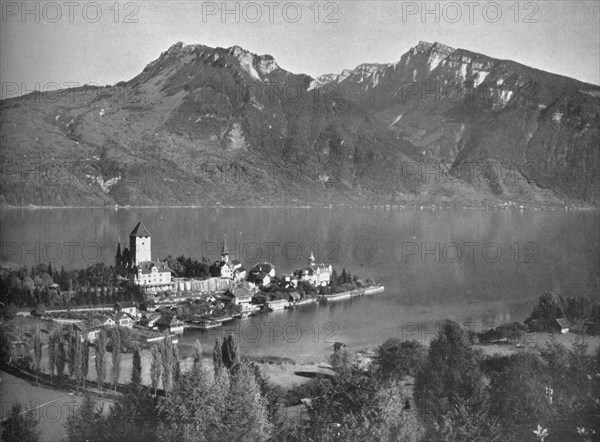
{"points": [[315, 274], [153, 276]]}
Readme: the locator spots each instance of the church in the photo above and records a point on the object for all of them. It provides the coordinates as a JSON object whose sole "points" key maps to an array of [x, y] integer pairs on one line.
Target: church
{"points": [[151, 275], [229, 269]]}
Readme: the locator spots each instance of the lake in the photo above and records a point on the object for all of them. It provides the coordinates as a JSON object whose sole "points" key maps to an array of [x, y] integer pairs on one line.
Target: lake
{"points": [[478, 267]]}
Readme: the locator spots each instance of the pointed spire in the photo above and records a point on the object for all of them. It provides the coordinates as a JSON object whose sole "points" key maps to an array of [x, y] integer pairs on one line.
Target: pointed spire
{"points": [[224, 252], [224, 248], [311, 260]]}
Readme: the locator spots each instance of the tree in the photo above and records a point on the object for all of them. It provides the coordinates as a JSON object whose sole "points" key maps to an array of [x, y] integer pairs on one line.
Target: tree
{"points": [[57, 353], [230, 352], [155, 368], [450, 378], [71, 351], [52, 350], [463, 424], [100, 355], [167, 362], [10, 311], [217, 356], [85, 360], [133, 417], [196, 409], [176, 364], [396, 358], [333, 279], [116, 357], [5, 350], [61, 356], [519, 391], [198, 360], [545, 313], [247, 417], [344, 276], [272, 393], [356, 406], [118, 258], [136, 371], [20, 426], [37, 349], [85, 424], [79, 354], [342, 358]]}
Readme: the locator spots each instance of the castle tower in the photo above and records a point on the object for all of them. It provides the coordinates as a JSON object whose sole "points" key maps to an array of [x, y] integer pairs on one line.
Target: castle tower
{"points": [[139, 244], [224, 252]]}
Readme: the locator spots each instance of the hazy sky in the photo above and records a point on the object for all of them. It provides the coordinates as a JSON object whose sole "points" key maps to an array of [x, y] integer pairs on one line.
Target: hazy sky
{"points": [[96, 42]]}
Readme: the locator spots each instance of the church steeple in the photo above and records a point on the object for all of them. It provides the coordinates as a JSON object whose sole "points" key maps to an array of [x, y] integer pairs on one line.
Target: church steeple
{"points": [[311, 260], [224, 252]]}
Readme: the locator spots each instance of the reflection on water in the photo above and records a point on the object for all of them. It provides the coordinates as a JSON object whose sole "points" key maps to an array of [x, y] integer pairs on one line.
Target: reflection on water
{"points": [[475, 266]]}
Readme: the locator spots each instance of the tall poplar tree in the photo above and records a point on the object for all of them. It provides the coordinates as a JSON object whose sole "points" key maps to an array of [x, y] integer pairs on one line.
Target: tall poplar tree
{"points": [[116, 357], [217, 356], [155, 368], [167, 363], [198, 360], [230, 352], [37, 350], [100, 355], [136, 371]]}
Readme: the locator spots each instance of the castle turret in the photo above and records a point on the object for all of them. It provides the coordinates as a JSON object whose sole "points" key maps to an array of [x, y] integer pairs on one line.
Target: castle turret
{"points": [[140, 244]]}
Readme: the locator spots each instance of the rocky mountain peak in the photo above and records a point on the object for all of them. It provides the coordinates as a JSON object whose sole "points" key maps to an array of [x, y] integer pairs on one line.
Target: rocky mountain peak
{"points": [[427, 48]]}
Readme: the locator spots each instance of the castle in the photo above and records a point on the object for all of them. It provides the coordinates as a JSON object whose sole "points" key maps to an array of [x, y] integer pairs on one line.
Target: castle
{"points": [[151, 275]]}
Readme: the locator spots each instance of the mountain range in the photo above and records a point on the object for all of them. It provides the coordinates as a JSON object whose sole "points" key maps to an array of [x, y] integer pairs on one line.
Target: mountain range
{"points": [[202, 125]]}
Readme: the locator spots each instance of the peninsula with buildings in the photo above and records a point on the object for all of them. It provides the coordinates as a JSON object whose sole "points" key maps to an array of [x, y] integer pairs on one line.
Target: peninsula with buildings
{"points": [[225, 290]]}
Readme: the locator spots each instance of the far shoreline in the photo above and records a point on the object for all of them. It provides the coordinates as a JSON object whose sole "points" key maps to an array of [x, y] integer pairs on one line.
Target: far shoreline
{"points": [[395, 206]]}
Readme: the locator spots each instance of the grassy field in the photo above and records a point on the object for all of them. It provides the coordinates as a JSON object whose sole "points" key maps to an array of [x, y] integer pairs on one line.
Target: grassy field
{"points": [[537, 341], [50, 407]]}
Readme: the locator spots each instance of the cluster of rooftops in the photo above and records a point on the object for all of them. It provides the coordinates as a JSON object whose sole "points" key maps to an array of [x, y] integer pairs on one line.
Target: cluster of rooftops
{"points": [[156, 275]]}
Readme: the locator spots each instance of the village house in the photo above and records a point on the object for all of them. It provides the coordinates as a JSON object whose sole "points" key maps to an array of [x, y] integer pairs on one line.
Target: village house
{"points": [[239, 274], [259, 278], [263, 268], [92, 333], [169, 323], [104, 321], [562, 325], [127, 307], [149, 320], [124, 320], [94, 326], [238, 296]]}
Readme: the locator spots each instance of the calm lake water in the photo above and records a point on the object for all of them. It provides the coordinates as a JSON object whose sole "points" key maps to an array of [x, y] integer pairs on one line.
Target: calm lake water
{"points": [[478, 267]]}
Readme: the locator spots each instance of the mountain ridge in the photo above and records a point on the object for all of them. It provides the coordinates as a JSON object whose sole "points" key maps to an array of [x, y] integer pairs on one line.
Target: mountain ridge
{"points": [[203, 125]]}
